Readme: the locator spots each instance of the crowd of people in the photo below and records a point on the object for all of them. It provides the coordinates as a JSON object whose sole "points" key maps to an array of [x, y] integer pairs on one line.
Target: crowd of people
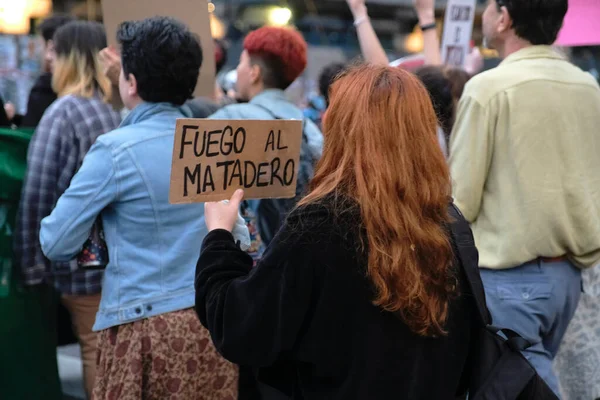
{"points": [[355, 288]]}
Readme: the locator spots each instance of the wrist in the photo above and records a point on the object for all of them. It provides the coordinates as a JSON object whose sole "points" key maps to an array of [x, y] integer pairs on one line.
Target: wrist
{"points": [[426, 17], [359, 12]]}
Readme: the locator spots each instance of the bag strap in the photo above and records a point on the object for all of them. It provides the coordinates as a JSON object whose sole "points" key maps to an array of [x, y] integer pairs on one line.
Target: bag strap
{"points": [[469, 259], [515, 341]]}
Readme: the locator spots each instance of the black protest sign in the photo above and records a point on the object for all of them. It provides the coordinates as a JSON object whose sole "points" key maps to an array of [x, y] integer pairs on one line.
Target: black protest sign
{"points": [[214, 158]]}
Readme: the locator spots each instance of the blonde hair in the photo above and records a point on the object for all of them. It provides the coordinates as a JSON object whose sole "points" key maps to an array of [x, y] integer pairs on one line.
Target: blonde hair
{"points": [[75, 74]]}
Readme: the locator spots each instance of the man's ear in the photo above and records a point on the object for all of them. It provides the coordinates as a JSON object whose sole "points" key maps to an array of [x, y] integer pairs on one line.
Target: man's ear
{"points": [[505, 22], [132, 85]]}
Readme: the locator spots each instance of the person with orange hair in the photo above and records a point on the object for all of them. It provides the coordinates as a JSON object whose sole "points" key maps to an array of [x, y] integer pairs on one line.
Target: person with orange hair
{"points": [[360, 295], [272, 59]]}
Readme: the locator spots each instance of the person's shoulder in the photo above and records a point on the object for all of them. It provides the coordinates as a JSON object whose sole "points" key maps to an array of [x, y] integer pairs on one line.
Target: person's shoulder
{"points": [[331, 212], [76, 107], [43, 84], [58, 111], [202, 107], [579, 76], [312, 126], [229, 111], [315, 209], [64, 103], [118, 137], [240, 111], [485, 85]]}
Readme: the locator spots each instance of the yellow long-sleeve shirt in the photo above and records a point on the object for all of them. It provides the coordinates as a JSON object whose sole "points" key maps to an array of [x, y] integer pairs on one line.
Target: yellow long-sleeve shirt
{"points": [[525, 160]]}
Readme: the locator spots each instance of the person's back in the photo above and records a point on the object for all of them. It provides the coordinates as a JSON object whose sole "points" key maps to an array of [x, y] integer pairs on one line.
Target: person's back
{"points": [[523, 159], [67, 130], [349, 348], [359, 295], [148, 292], [272, 59], [150, 241], [542, 145]]}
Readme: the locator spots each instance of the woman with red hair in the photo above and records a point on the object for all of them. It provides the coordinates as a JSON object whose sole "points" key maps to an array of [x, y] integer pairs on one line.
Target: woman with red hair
{"points": [[359, 295]]}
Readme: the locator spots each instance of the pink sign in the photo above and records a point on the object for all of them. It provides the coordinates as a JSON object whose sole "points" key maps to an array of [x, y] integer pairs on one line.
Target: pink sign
{"points": [[581, 26]]}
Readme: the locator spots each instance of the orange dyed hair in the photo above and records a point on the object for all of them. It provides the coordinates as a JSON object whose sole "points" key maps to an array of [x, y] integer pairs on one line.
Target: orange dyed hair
{"points": [[285, 44], [381, 151]]}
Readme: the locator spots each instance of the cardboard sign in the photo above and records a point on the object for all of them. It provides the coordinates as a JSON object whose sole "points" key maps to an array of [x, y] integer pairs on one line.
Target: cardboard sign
{"points": [[193, 13], [581, 27], [214, 158], [458, 27]]}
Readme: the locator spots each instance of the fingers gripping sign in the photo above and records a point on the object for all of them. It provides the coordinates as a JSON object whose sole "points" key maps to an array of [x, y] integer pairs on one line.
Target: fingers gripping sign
{"points": [[223, 214]]}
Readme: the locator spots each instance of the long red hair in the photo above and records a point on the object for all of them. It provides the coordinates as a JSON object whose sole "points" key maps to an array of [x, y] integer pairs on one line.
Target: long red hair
{"points": [[382, 152]]}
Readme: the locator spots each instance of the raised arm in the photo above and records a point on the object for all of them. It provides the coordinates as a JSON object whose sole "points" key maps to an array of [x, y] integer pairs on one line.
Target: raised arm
{"points": [[370, 46], [431, 43]]}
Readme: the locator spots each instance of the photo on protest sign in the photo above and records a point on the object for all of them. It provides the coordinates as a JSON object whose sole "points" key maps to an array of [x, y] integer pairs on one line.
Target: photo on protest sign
{"points": [[458, 28], [193, 13], [214, 158]]}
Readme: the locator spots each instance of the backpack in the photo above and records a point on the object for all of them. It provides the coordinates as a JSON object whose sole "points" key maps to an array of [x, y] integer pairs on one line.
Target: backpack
{"points": [[271, 213], [497, 369]]}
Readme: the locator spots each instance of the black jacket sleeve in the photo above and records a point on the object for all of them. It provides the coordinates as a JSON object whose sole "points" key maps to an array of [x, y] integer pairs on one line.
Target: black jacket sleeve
{"points": [[255, 315], [4, 122]]}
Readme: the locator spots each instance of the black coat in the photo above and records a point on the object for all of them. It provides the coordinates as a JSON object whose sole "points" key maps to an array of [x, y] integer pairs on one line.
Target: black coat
{"points": [[40, 98], [4, 122], [304, 317]]}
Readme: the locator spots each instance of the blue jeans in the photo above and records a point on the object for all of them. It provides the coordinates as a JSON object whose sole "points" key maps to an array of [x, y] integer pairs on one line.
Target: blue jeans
{"points": [[536, 300]]}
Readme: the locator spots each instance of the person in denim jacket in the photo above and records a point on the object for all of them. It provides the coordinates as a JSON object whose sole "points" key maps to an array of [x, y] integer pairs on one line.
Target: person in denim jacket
{"points": [[272, 59], [151, 344]]}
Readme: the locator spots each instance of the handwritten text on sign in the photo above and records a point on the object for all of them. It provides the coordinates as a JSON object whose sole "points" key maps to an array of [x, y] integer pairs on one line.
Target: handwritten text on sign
{"points": [[213, 158]]}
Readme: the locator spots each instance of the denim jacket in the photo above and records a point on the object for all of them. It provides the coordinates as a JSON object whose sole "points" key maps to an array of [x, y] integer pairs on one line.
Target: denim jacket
{"points": [[153, 245], [271, 104]]}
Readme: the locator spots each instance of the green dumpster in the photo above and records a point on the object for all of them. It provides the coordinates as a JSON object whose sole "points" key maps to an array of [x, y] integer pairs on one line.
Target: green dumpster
{"points": [[28, 368]]}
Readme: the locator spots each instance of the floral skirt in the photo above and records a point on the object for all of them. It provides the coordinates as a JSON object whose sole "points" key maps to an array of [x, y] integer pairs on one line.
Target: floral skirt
{"points": [[170, 356]]}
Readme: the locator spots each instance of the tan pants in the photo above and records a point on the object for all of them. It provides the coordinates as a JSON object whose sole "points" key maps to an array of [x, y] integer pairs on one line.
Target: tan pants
{"points": [[83, 311]]}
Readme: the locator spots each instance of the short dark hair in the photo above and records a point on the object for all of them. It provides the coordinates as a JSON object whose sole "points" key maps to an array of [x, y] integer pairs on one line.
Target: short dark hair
{"points": [[51, 24], [328, 75], [163, 55], [84, 37], [537, 21], [439, 88]]}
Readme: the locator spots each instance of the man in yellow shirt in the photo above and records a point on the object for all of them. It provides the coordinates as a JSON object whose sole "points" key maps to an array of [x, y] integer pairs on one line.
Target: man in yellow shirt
{"points": [[525, 163]]}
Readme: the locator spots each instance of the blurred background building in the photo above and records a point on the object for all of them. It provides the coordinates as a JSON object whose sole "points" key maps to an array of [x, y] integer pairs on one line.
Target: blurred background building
{"points": [[326, 25]]}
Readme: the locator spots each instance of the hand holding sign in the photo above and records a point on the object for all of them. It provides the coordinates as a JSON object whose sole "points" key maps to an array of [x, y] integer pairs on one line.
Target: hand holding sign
{"points": [[223, 214]]}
